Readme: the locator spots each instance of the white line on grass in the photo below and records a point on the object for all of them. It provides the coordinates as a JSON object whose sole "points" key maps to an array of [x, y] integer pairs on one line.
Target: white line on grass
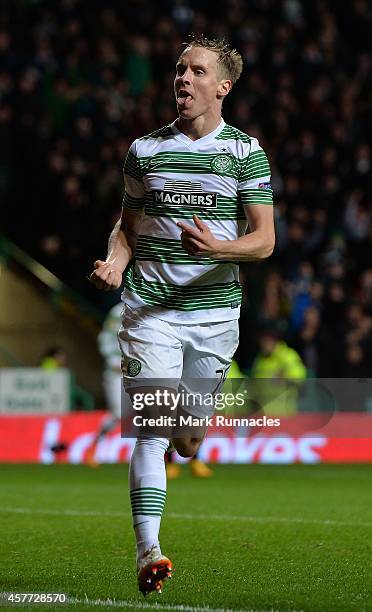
{"points": [[115, 603], [202, 517]]}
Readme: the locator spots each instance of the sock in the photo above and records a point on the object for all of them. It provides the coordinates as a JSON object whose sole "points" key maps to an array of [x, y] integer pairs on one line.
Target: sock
{"points": [[147, 485]]}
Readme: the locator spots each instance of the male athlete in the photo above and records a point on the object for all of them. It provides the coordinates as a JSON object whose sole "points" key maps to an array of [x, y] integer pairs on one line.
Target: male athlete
{"points": [[191, 189], [112, 378]]}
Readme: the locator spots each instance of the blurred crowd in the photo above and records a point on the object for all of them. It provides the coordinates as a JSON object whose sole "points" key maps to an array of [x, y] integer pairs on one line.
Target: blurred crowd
{"points": [[80, 80]]}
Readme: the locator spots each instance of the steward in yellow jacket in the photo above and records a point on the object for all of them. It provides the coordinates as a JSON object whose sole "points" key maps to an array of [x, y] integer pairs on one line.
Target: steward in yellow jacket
{"points": [[280, 371]]}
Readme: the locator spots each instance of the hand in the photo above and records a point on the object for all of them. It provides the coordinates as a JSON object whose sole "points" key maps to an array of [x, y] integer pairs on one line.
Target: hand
{"points": [[199, 240], [105, 276]]}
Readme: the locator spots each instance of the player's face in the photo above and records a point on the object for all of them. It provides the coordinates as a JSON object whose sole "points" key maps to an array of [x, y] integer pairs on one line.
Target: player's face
{"points": [[197, 85]]}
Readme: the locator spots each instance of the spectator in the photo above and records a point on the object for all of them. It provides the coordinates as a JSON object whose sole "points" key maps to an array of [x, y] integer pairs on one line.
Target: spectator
{"points": [[312, 342], [354, 365], [55, 357], [280, 369], [88, 79]]}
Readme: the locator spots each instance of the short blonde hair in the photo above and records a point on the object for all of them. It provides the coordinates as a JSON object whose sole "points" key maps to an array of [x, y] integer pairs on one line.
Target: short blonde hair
{"points": [[229, 61]]}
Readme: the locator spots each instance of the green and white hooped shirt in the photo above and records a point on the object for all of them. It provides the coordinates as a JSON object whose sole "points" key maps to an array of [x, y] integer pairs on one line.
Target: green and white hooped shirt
{"points": [[173, 177]]}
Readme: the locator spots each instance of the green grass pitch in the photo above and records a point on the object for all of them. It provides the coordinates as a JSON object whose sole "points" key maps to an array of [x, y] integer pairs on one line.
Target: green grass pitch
{"points": [[251, 538]]}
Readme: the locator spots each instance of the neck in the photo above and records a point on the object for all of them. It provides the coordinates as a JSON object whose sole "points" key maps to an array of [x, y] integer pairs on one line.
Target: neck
{"points": [[200, 126]]}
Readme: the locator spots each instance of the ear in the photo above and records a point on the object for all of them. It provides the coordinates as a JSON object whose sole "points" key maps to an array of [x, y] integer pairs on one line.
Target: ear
{"points": [[223, 88]]}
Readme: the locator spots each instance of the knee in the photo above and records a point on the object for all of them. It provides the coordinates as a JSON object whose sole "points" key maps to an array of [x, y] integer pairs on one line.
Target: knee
{"points": [[186, 447]]}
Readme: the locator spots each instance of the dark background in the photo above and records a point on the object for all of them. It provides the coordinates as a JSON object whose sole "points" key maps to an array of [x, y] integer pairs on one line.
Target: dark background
{"points": [[79, 80]]}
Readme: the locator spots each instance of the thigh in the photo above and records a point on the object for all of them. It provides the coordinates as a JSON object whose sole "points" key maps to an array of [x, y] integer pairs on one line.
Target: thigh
{"points": [[208, 355], [210, 348], [150, 351]]}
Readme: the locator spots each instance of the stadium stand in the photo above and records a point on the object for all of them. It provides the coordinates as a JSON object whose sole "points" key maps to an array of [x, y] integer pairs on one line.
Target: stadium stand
{"points": [[79, 81]]}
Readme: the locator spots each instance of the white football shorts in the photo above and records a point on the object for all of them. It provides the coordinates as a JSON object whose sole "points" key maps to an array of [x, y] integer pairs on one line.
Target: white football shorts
{"points": [[176, 356]]}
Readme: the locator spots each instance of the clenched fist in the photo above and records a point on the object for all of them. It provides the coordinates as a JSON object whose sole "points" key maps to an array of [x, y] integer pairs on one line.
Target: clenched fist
{"points": [[106, 276]]}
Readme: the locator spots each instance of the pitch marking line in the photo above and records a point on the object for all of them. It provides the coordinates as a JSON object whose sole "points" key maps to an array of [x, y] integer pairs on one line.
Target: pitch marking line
{"points": [[114, 603], [192, 517]]}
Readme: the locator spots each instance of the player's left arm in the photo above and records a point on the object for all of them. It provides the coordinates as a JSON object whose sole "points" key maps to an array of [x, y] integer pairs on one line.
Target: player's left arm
{"points": [[258, 244], [256, 196]]}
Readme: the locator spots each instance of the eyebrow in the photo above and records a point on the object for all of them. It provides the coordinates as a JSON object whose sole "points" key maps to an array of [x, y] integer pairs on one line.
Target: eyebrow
{"points": [[195, 66]]}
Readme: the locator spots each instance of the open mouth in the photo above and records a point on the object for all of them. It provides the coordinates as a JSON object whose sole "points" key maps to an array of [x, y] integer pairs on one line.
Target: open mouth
{"points": [[183, 97]]}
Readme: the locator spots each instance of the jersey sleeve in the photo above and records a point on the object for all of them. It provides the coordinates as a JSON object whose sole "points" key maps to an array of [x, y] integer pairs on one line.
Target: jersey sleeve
{"points": [[254, 185], [134, 195]]}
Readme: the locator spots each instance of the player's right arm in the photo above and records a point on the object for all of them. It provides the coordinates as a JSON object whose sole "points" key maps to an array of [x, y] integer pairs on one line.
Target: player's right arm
{"points": [[108, 274]]}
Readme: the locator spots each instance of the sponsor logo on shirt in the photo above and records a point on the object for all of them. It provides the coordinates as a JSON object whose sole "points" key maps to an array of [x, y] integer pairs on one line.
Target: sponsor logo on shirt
{"points": [[264, 185], [209, 200], [184, 193]]}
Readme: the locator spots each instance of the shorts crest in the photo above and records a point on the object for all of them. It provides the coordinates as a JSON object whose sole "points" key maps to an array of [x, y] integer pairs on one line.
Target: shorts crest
{"points": [[134, 367]]}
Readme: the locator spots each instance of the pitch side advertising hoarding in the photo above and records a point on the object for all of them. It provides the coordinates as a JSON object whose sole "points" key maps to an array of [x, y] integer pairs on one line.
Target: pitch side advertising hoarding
{"points": [[299, 439]]}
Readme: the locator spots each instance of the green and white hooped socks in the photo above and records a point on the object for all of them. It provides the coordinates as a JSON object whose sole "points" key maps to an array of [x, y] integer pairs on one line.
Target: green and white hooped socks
{"points": [[147, 484]]}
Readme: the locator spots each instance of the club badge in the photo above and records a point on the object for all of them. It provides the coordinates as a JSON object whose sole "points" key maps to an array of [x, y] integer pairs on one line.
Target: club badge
{"points": [[221, 164], [134, 367]]}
